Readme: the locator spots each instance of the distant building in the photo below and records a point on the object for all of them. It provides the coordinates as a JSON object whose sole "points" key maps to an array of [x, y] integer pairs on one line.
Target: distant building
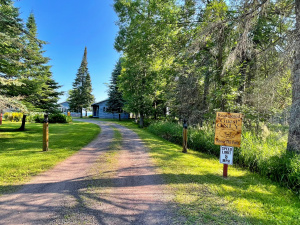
{"points": [[99, 111], [64, 107]]}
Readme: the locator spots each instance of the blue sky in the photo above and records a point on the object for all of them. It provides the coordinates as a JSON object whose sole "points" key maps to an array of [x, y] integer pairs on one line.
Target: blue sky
{"points": [[69, 26]]}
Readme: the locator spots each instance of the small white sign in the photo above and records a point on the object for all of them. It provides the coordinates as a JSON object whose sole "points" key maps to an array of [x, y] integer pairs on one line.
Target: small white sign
{"points": [[226, 155]]}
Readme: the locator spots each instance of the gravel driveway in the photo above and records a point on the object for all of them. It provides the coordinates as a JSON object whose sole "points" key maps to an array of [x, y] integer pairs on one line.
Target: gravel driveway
{"points": [[134, 195]]}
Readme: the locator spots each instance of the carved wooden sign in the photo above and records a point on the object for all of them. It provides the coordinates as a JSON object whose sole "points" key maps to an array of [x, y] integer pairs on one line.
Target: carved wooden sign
{"points": [[228, 129]]}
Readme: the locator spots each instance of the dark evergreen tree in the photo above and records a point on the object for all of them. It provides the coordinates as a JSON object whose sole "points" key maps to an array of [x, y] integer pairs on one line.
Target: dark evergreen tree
{"points": [[11, 53], [115, 101], [38, 87], [44, 94], [81, 94]]}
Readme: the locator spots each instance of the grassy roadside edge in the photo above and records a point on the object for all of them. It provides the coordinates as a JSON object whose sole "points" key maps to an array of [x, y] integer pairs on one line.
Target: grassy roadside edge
{"points": [[204, 197]]}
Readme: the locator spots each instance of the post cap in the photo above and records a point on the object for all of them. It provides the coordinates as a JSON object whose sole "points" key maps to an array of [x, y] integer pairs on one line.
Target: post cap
{"points": [[45, 118]]}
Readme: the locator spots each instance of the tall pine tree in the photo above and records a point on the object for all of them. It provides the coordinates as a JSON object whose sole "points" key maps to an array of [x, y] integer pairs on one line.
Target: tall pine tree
{"points": [[11, 54], [81, 95], [38, 88], [115, 101], [43, 93]]}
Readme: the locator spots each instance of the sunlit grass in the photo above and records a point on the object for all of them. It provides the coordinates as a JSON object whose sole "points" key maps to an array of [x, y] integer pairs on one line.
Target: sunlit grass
{"points": [[205, 197], [21, 154]]}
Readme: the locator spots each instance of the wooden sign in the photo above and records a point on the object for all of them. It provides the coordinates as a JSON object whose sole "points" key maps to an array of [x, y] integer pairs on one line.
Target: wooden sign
{"points": [[228, 129]]}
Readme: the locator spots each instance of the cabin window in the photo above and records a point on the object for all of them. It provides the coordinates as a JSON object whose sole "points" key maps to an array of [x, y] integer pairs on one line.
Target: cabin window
{"points": [[104, 109]]}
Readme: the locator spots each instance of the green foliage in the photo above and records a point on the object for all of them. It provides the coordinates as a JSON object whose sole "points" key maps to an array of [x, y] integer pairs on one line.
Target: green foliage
{"points": [[38, 118], [81, 94], [264, 153], [36, 86], [115, 101], [13, 116], [59, 118]]}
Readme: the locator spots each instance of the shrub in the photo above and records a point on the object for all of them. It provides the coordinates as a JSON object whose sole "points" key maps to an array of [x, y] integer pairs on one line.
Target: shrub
{"points": [[69, 119], [57, 118], [90, 116], [13, 116], [38, 118]]}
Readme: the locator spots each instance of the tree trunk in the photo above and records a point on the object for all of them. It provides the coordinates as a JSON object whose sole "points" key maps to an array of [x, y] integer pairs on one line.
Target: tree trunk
{"points": [[85, 112], [80, 112], [119, 116], [141, 120], [294, 130], [22, 128], [155, 111], [205, 94], [0, 117], [242, 86]]}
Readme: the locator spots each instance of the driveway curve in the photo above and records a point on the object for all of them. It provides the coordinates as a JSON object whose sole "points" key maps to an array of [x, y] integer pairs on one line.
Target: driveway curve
{"points": [[135, 195]]}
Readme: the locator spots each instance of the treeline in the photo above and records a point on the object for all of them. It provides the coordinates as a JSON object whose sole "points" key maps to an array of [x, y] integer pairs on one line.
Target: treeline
{"points": [[26, 82], [198, 57]]}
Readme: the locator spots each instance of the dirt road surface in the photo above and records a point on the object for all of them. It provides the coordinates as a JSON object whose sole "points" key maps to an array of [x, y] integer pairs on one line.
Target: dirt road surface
{"points": [[134, 195]]}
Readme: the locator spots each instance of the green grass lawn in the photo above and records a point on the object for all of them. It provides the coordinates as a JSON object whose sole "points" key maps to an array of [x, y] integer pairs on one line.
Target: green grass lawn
{"points": [[21, 154], [205, 197]]}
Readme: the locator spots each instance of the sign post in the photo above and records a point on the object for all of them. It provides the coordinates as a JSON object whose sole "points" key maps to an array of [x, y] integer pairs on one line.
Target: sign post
{"points": [[228, 135]]}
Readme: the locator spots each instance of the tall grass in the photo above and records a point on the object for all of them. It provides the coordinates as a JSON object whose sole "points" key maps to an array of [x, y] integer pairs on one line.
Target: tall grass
{"points": [[264, 153]]}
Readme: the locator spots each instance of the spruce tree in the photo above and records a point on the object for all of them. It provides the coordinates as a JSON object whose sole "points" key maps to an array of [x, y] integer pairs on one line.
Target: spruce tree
{"points": [[11, 54], [41, 88], [115, 101], [38, 88], [81, 94]]}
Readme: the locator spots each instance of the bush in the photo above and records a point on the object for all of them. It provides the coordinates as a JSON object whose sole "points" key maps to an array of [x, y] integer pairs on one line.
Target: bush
{"points": [[57, 118], [264, 153], [13, 116], [69, 119], [38, 118], [90, 116]]}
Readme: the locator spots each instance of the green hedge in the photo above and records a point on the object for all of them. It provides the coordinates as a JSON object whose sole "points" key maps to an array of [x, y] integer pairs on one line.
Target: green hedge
{"points": [[37, 117], [265, 154]]}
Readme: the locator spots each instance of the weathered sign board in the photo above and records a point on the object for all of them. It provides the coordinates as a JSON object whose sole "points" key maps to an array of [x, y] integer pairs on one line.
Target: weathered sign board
{"points": [[226, 155], [228, 129]]}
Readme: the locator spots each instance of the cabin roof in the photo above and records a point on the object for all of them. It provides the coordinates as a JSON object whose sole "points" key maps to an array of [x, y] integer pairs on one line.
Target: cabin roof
{"points": [[97, 103]]}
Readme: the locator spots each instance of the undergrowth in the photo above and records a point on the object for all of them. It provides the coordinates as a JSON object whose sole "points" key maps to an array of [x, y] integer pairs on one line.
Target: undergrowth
{"points": [[264, 153]]}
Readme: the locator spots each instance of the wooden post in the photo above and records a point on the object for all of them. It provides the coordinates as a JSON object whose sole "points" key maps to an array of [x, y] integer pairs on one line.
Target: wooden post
{"points": [[45, 133], [184, 135], [1, 118], [225, 169]]}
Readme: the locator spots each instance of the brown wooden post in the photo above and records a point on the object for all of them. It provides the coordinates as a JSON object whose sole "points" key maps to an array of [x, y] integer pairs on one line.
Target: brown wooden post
{"points": [[45, 133], [225, 169], [184, 143]]}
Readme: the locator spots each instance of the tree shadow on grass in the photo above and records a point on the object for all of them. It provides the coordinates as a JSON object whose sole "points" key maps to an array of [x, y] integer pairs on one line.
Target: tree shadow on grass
{"points": [[89, 201]]}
